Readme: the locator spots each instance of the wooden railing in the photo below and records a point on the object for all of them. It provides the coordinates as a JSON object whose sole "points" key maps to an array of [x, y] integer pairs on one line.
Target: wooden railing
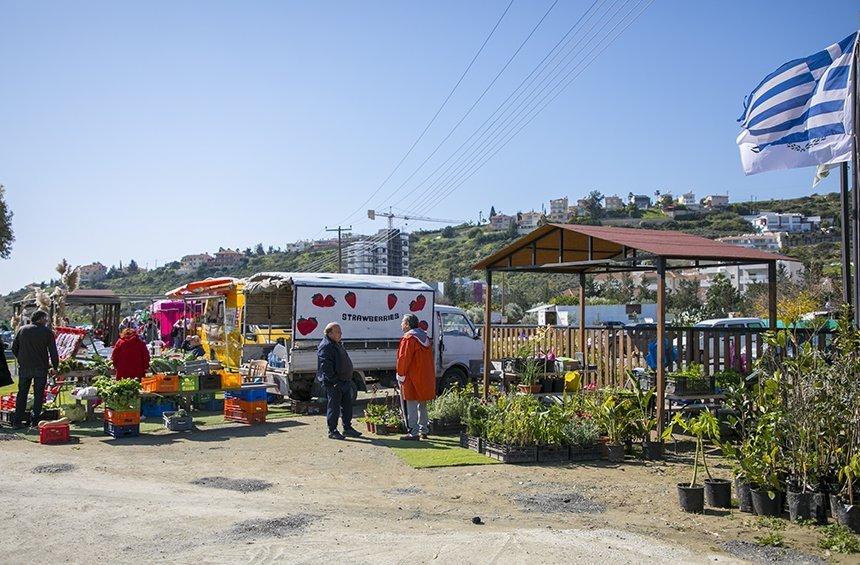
{"points": [[611, 352]]}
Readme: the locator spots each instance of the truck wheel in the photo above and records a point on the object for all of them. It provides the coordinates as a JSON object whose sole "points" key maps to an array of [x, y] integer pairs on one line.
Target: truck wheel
{"points": [[452, 377]]}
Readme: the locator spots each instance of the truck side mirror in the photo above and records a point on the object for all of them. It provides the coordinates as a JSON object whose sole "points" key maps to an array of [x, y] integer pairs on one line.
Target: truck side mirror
{"points": [[479, 331]]}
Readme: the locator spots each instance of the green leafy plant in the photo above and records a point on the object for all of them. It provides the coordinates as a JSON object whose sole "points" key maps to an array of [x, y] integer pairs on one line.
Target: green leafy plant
{"points": [[771, 539], [704, 425], [839, 539], [532, 369], [451, 406], [614, 415], [644, 417], [123, 392]]}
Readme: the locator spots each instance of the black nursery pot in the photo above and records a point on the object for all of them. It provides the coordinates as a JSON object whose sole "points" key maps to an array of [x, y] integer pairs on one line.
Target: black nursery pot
{"points": [[845, 514], [718, 493], [764, 505], [819, 507], [691, 498], [742, 488], [799, 505], [615, 453], [654, 450]]}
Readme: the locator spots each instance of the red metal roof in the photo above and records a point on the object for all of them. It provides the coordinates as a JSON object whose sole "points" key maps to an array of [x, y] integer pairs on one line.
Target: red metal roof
{"points": [[548, 244]]}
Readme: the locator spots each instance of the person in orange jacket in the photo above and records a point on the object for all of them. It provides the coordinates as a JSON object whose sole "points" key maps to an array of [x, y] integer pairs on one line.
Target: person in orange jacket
{"points": [[416, 373]]}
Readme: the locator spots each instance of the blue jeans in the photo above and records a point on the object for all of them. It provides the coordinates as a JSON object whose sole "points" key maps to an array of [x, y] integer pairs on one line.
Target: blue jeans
{"points": [[39, 379], [339, 405]]}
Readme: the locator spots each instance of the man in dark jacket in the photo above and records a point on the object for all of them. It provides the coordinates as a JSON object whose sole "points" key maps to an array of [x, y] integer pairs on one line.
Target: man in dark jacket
{"points": [[35, 347], [334, 371]]}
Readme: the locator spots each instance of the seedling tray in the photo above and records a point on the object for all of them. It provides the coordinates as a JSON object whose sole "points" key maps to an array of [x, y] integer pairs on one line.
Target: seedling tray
{"points": [[553, 453], [445, 428], [510, 453], [591, 453]]}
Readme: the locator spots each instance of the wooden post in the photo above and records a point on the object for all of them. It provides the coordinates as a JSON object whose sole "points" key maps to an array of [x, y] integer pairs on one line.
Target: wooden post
{"points": [[771, 294], [583, 371], [488, 310], [661, 330]]}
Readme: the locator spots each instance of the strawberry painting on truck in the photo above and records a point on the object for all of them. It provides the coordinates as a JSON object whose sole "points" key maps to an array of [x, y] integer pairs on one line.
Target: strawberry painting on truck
{"points": [[369, 310]]}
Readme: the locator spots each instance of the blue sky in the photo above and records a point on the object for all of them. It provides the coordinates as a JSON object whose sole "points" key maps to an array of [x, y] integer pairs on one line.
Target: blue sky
{"points": [[156, 129]]}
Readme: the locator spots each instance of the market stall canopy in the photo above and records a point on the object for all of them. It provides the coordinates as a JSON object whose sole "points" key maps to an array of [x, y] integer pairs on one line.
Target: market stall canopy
{"points": [[569, 248], [271, 282], [207, 286]]}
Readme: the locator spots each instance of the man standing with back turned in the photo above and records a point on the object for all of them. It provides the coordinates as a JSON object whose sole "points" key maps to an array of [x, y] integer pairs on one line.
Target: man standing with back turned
{"points": [[32, 346], [416, 373]]}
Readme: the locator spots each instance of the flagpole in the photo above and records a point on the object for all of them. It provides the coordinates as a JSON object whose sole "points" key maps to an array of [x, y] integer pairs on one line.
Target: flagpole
{"points": [[845, 222], [855, 162]]}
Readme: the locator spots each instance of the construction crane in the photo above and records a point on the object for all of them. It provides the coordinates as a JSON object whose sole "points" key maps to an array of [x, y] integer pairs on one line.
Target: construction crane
{"points": [[373, 213]]}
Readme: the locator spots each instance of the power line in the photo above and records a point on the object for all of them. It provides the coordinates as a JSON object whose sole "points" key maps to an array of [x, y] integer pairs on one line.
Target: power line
{"points": [[436, 115]]}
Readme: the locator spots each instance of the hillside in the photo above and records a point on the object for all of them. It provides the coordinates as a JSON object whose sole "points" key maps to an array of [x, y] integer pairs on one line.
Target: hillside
{"points": [[441, 255]]}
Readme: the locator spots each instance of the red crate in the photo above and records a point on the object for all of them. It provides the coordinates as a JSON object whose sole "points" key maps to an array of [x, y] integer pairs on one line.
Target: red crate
{"points": [[237, 415], [7, 402], [54, 434], [255, 407], [119, 418]]}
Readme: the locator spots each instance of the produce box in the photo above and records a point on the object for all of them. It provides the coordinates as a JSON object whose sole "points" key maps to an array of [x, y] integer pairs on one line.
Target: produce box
{"points": [[176, 423], [7, 401], [189, 383], [236, 415], [160, 383], [250, 394], [230, 380], [694, 385], [121, 431], [54, 434], [472, 442], [249, 407], [510, 453], [445, 428], [208, 402], [210, 382], [156, 408], [119, 418]]}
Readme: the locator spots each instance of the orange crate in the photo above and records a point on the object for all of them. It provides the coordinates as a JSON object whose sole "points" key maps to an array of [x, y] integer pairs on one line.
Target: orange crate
{"points": [[236, 415], [160, 383], [255, 407], [118, 418], [230, 380]]}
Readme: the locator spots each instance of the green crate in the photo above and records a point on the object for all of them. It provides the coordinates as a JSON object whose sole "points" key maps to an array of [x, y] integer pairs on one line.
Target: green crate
{"points": [[188, 383], [133, 406]]}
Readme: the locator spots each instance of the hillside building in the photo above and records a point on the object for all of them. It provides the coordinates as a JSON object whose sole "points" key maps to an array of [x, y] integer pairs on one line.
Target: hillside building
{"points": [[715, 201], [788, 222], [93, 272], [768, 241], [558, 210], [528, 222], [613, 202], [191, 263], [502, 222], [641, 201], [386, 253], [227, 258]]}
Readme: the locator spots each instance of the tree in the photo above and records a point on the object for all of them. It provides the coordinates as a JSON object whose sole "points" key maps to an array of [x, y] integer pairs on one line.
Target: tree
{"points": [[512, 230], [513, 313], [132, 267], [448, 232], [594, 204], [452, 291], [259, 249], [722, 298], [492, 211], [6, 235], [686, 298], [248, 252]]}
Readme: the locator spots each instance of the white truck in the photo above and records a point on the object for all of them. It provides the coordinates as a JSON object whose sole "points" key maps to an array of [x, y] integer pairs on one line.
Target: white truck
{"points": [[369, 309]]}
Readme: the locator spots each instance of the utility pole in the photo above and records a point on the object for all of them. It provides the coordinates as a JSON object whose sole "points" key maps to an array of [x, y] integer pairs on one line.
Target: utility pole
{"points": [[339, 230]]}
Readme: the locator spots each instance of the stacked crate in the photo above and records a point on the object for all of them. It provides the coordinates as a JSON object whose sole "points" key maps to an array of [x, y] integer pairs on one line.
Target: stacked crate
{"points": [[122, 421], [246, 405]]}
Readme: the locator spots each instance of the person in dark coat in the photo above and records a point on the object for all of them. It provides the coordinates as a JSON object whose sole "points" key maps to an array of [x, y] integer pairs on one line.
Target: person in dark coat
{"points": [[5, 375], [334, 372], [36, 350]]}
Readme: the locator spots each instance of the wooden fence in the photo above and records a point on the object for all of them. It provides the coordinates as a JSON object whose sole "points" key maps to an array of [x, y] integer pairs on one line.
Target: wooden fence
{"points": [[611, 352]]}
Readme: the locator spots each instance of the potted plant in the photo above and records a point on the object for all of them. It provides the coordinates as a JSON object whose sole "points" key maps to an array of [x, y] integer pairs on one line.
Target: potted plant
{"points": [[646, 420], [612, 417], [550, 435], [719, 491], [529, 376], [510, 429], [448, 411], [844, 510], [765, 467]]}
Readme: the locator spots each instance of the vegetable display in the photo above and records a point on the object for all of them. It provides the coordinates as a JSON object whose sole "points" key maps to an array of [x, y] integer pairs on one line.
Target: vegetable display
{"points": [[118, 393]]}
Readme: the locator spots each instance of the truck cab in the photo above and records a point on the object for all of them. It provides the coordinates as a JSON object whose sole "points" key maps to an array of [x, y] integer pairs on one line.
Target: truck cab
{"points": [[459, 349]]}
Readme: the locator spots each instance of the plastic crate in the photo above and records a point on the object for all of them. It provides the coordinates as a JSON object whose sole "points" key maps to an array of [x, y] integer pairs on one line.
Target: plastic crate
{"points": [[254, 394], [49, 414], [694, 385], [7, 416], [237, 415], [210, 382], [249, 407], [54, 434], [118, 418], [160, 383], [510, 453], [176, 423], [121, 431], [7, 401], [156, 408], [131, 406], [230, 380], [189, 383]]}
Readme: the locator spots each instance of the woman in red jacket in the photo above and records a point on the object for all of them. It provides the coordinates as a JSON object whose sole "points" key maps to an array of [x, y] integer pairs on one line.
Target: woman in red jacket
{"points": [[130, 356]]}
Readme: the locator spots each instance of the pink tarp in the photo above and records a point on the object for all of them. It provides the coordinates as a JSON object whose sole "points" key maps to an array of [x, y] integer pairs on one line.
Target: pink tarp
{"points": [[166, 313]]}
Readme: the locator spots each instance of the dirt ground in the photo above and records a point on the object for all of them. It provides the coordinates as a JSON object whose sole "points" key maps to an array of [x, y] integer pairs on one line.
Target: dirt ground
{"points": [[284, 492]]}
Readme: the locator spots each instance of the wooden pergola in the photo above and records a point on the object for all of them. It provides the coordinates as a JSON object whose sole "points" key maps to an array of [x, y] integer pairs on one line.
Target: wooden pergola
{"points": [[583, 250], [105, 299]]}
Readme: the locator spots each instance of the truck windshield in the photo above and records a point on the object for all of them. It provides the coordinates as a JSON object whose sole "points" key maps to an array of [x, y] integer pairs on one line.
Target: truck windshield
{"points": [[456, 324]]}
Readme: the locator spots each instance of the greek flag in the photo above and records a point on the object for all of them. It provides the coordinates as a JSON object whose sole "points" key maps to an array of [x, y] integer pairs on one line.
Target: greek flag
{"points": [[801, 115]]}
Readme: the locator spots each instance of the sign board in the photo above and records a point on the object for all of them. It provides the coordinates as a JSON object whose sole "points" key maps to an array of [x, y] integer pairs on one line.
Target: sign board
{"points": [[363, 313]]}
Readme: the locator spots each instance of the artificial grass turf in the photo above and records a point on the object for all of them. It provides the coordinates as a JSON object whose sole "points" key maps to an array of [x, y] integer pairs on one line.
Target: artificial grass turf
{"points": [[437, 451]]}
